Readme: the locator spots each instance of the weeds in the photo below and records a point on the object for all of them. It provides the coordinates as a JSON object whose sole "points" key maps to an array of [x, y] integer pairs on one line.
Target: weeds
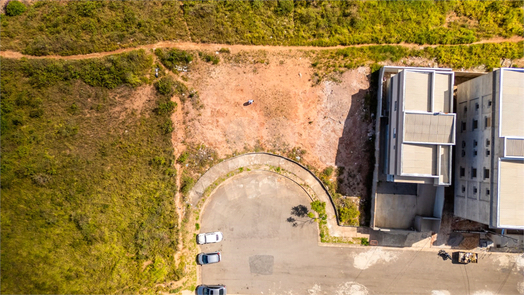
{"points": [[87, 193], [74, 27], [489, 55]]}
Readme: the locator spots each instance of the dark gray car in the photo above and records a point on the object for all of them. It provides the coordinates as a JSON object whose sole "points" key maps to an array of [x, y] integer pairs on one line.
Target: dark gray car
{"points": [[211, 290]]}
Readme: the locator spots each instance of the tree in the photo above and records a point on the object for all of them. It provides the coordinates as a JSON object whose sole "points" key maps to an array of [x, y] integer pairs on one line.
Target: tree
{"points": [[15, 8]]}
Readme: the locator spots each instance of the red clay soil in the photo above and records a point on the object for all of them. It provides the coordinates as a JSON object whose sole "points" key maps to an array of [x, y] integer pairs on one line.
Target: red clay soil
{"points": [[325, 120]]}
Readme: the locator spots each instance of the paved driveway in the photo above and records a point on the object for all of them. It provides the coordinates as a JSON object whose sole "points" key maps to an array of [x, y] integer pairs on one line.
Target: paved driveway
{"points": [[263, 253]]}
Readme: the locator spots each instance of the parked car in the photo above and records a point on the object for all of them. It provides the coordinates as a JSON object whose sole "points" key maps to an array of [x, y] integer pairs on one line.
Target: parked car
{"points": [[208, 258], [211, 290], [208, 238]]}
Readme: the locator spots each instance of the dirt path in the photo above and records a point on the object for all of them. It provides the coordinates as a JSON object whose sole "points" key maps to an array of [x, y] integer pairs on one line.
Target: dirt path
{"points": [[234, 48]]}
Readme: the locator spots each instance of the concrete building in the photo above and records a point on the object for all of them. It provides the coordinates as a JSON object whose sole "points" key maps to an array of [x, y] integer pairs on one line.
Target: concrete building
{"points": [[489, 165], [421, 127], [415, 131]]}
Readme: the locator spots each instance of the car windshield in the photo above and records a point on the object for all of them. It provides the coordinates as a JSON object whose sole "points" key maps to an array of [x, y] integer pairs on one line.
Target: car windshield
{"points": [[204, 259]]}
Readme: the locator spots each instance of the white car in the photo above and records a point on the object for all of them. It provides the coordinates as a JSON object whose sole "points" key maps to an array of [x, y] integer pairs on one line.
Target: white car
{"points": [[208, 238], [208, 258]]}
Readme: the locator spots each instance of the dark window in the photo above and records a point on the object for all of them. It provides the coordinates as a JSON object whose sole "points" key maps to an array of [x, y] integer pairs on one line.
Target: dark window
{"points": [[474, 153], [487, 192], [475, 143], [476, 106], [488, 142], [475, 190], [463, 189], [463, 126], [463, 144], [462, 171], [486, 173], [489, 103], [465, 109], [473, 172], [487, 153], [463, 153], [475, 124]]}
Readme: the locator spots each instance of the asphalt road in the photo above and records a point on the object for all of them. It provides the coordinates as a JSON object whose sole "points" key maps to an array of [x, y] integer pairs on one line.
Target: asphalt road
{"points": [[263, 253]]}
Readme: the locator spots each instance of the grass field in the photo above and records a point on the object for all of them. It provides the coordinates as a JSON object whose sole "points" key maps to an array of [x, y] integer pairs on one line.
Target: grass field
{"points": [[79, 27], [87, 184]]}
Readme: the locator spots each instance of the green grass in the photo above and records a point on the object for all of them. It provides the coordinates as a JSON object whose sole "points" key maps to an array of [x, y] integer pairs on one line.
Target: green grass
{"points": [[488, 55], [79, 27], [87, 189]]}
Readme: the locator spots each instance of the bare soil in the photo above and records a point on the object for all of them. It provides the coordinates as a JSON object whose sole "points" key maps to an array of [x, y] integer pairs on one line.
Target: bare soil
{"points": [[326, 120]]}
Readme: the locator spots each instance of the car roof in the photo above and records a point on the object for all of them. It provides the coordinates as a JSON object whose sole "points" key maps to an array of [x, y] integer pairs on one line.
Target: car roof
{"points": [[213, 257]]}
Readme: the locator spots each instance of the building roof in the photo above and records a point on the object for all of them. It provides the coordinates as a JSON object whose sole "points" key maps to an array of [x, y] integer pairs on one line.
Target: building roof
{"points": [[512, 103], [511, 194], [428, 126], [515, 147], [428, 91], [511, 164]]}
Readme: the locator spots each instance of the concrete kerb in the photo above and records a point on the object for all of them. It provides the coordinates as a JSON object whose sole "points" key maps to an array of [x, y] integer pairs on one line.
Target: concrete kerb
{"points": [[309, 179]]}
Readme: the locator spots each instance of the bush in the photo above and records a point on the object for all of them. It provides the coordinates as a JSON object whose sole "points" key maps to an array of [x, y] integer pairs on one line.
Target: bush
{"points": [[165, 86], [328, 171], [173, 58], [209, 57], [183, 157], [187, 184], [348, 213], [15, 8], [319, 207], [167, 127], [166, 108]]}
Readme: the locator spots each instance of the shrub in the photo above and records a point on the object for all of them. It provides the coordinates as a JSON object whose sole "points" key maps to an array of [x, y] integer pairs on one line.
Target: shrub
{"points": [[224, 50], [183, 157], [167, 127], [284, 7], [348, 213], [36, 113], [170, 172], [318, 206], [15, 8], [165, 86], [187, 184], [173, 58], [158, 161], [209, 57], [328, 171], [166, 108]]}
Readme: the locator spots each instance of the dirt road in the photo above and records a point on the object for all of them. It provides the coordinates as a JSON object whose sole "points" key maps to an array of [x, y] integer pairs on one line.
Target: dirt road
{"points": [[233, 48]]}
